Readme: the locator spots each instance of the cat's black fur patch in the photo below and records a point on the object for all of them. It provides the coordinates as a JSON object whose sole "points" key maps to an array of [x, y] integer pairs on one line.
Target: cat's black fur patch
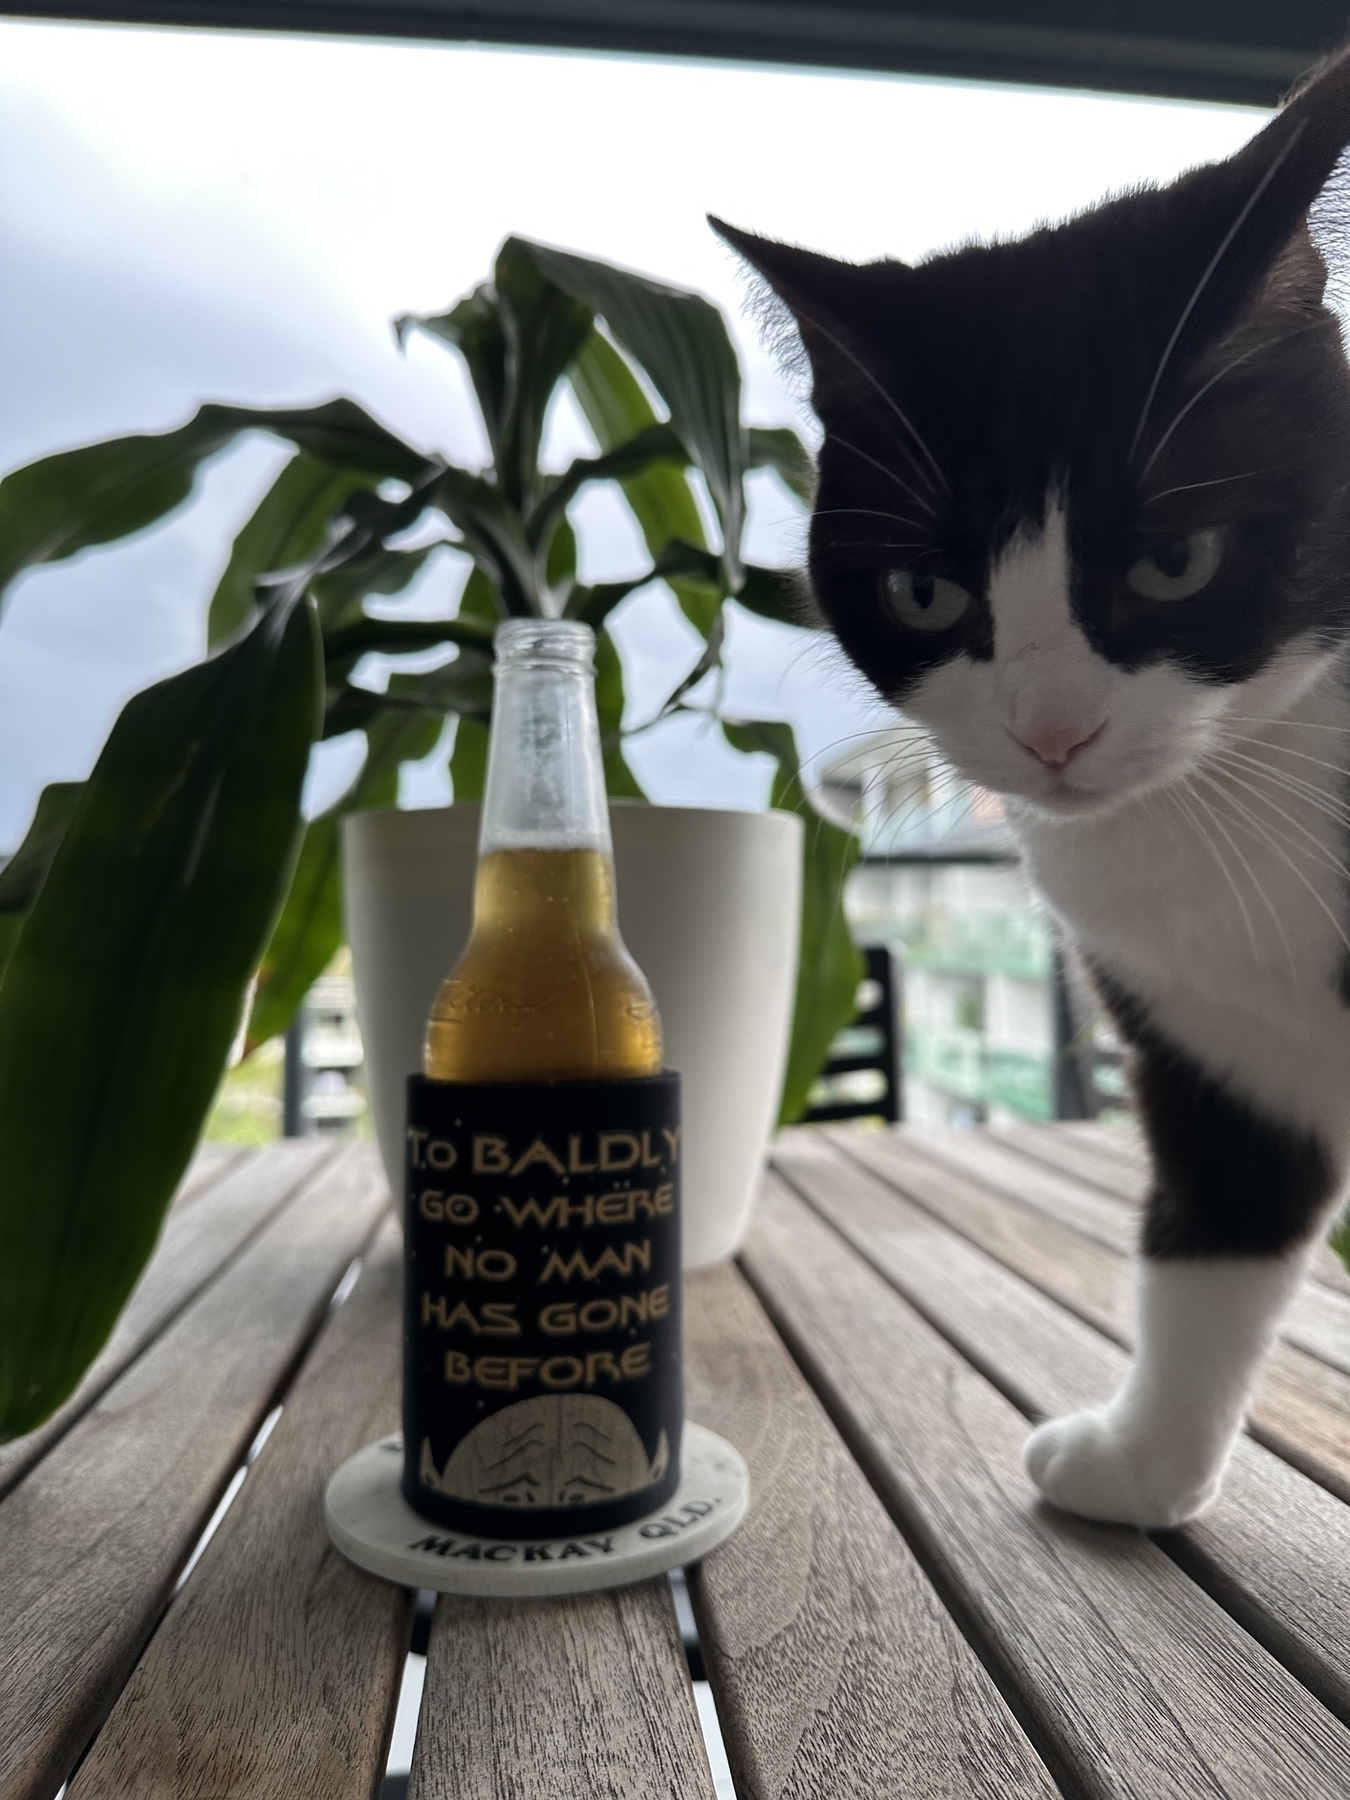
{"points": [[1228, 1180], [959, 395]]}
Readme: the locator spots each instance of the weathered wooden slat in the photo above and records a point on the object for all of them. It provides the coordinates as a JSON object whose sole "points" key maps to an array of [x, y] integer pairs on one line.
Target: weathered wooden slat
{"points": [[209, 1163], [1083, 1274], [998, 1166], [1050, 1145], [1275, 1546], [1318, 1321], [275, 1672], [1123, 1140], [836, 1669], [1302, 1411], [1330, 1270], [91, 1541], [1301, 1407], [556, 1699], [1139, 1683], [197, 1243]]}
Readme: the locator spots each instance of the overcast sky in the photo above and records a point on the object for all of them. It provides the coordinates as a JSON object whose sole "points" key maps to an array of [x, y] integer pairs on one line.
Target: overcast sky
{"points": [[192, 215]]}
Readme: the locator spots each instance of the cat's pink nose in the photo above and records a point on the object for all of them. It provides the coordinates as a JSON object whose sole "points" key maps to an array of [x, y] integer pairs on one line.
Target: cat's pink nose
{"points": [[1057, 745]]}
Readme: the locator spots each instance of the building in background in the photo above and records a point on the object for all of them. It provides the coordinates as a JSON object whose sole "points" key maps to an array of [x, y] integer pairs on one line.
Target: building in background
{"points": [[332, 1098], [309, 1081], [991, 1028]]}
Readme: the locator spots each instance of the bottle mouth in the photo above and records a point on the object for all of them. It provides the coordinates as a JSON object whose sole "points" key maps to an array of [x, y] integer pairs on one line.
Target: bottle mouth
{"points": [[559, 642]]}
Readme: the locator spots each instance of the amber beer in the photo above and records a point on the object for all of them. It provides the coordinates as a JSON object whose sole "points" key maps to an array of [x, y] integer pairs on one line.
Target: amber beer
{"points": [[545, 990], [542, 1384]]}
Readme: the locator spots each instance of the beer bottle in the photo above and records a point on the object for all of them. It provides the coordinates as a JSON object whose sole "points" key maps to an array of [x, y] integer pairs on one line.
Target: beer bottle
{"points": [[542, 1384], [545, 990]]}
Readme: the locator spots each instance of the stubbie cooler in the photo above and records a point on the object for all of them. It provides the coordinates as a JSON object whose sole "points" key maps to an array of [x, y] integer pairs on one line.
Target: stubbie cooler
{"points": [[542, 1384]]}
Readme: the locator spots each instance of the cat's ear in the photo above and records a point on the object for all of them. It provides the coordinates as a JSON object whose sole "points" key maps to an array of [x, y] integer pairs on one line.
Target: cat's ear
{"points": [[1248, 214], [832, 303]]}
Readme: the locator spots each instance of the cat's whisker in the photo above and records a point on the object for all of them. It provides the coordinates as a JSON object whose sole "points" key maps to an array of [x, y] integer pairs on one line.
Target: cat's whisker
{"points": [[1276, 163], [890, 474], [1189, 487], [1228, 368], [1250, 783], [1272, 756], [1291, 796], [868, 512], [1196, 819], [890, 401], [1257, 884], [1291, 792], [1313, 791], [1298, 874], [1292, 724], [1209, 812], [1239, 818], [883, 811], [873, 544], [1314, 847], [1321, 762]]}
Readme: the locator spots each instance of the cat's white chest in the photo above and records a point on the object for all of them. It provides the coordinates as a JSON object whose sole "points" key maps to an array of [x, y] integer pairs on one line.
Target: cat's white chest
{"points": [[1224, 908]]}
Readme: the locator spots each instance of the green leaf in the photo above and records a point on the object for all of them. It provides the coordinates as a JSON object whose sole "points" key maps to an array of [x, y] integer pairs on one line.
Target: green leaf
{"points": [[461, 686], [780, 449], [517, 336], [617, 410], [544, 327], [711, 659], [290, 525], [473, 326], [22, 877], [561, 568], [478, 602], [345, 647], [306, 936], [654, 443], [101, 492], [468, 759], [593, 605], [780, 594], [829, 968], [124, 993], [662, 502], [340, 594], [620, 781], [681, 341], [493, 533], [310, 930]]}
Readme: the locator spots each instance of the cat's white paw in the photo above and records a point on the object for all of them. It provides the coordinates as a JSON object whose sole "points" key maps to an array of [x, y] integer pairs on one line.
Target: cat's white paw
{"points": [[1095, 1465]]}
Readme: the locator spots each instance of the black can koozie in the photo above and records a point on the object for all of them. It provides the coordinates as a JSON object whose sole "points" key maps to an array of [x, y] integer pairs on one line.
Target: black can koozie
{"points": [[542, 1386]]}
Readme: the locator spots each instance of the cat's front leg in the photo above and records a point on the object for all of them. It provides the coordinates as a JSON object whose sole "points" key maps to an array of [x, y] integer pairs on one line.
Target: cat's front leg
{"points": [[1239, 1198], [1155, 1455]]}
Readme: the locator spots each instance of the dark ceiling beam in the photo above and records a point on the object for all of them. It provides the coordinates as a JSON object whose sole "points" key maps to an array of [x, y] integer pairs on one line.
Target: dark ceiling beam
{"points": [[1243, 50]]}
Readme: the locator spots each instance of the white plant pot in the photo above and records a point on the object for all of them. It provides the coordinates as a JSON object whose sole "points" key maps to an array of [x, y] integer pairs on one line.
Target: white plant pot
{"points": [[709, 905]]}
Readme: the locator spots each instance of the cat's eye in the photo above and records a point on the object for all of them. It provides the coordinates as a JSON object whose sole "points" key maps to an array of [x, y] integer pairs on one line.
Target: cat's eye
{"points": [[1179, 569], [924, 602]]}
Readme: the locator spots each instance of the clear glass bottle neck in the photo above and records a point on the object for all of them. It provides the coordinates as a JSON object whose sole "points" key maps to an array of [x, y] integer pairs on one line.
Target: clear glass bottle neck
{"points": [[545, 776]]}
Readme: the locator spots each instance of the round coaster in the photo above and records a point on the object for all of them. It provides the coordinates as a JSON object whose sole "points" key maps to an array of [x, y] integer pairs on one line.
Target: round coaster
{"points": [[373, 1525]]}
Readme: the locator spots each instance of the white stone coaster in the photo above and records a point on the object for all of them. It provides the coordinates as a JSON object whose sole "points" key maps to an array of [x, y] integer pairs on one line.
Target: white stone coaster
{"points": [[373, 1525]]}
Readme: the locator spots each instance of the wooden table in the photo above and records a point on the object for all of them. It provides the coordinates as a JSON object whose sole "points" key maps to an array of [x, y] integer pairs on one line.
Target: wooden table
{"points": [[897, 1618]]}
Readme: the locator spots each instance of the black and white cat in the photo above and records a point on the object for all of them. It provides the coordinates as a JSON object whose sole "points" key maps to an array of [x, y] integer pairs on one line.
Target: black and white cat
{"points": [[1083, 512]]}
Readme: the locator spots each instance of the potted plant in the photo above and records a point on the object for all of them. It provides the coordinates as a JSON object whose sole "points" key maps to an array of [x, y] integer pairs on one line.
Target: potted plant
{"points": [[147, 903]]}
